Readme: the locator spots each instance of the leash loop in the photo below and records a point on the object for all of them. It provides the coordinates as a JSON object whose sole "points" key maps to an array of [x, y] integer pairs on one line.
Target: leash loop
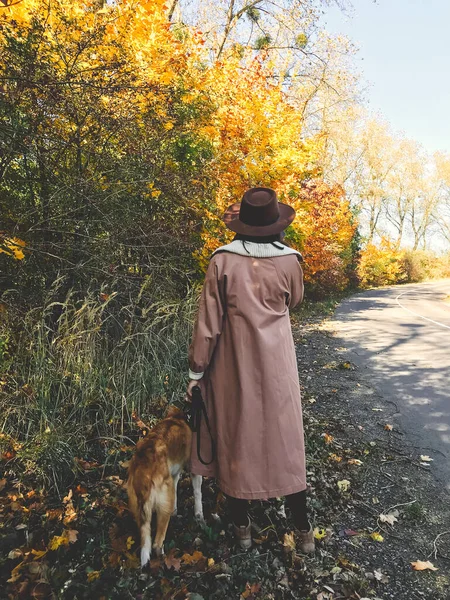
{"points": [[198, 409]]}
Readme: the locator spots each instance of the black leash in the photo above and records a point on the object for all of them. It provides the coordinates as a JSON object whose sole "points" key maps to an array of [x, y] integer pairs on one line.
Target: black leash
{"points": [[198, 409]]}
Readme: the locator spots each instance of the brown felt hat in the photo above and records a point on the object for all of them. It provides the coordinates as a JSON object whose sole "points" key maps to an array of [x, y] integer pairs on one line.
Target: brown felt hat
{"points": [[259, 213]]}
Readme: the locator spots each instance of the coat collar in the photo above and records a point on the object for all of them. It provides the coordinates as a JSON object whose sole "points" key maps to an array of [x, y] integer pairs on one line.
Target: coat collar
{"points": [[257, 250]]}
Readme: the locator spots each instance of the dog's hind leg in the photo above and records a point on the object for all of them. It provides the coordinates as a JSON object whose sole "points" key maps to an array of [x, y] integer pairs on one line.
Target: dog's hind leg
{"points": [[164, 503], [146, 533], [175, 483], [198, 505]]}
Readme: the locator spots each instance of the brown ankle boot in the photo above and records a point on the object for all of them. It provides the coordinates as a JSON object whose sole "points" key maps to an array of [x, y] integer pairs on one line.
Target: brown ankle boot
{"points": [[243, 534], [306, 541]]}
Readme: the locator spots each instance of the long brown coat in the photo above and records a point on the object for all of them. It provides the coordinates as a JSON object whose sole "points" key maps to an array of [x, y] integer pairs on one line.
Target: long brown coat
{"points": [[243, 342]]}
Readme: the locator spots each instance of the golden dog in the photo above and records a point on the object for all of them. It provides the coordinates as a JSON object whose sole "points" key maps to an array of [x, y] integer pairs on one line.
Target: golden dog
{"points": [[153, 476]]}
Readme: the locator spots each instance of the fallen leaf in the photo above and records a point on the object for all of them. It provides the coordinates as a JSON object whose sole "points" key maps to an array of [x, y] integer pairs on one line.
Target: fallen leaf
{"points": [[319, 534], [350, 532], [377, 537], [171, 561], [343, 485], [328, 438], [67, 498], [130, 542], [379, 576], [335, 457], [69, 536], [355, 461], [425, 458], [132, 561], [72, 535], [93, 575], [289, 542], [191, 559], [421, 565], [388, 427], [390, 518], [336, 570], [57, 541]]}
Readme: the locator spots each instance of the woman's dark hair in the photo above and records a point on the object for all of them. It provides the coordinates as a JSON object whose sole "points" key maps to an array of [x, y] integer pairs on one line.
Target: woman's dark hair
{"points": [[276, 240], [268, 239]]}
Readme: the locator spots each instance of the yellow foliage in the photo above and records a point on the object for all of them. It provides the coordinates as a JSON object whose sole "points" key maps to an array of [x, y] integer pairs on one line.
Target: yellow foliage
{"points": [[381, 265], [13, 247]]}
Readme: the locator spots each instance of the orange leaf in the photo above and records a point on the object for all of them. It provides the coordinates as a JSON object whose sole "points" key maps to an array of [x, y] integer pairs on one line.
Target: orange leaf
{"points": [[171, 561], [191, 559], [421, 565]]}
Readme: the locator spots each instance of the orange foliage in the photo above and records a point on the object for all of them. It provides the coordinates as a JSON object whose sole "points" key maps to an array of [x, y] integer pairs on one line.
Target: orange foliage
{"points": [[325, 228]]}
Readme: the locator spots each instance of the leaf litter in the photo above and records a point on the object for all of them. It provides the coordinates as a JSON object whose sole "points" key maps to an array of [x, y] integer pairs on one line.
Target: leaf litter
{"points": [[87, 545]]}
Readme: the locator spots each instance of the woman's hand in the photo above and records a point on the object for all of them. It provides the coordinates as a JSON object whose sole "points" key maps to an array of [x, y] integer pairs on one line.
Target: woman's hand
{"points": [[191, 386]]}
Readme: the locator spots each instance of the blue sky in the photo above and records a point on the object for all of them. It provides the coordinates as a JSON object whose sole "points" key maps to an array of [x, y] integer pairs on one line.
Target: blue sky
{"points": [[404, 56]]}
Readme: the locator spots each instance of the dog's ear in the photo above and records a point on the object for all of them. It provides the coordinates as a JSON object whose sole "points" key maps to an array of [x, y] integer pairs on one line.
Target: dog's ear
{"points": [[142, 426], [174, 412]]}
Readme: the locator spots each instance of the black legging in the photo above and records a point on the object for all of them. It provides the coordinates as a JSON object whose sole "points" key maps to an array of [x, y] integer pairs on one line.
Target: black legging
{"points": [[296, 503]]}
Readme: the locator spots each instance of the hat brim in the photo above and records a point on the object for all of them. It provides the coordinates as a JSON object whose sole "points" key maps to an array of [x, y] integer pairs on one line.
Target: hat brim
{"points": [[232, 221]]}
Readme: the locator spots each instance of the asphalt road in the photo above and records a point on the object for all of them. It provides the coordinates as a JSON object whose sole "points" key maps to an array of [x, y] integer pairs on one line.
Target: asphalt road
{"points": [[401, 336]]}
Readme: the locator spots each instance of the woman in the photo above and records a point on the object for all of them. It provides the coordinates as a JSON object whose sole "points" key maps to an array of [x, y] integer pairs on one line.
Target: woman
{"points": [[243, 357]]}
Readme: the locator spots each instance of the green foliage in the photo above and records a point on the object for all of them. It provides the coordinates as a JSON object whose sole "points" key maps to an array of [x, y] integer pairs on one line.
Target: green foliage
{"points": [[263, 41], [100, 362], [301, 40], [253, 14]]}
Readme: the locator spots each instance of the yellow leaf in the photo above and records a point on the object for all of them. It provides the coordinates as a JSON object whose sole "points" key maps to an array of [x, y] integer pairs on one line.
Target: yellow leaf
{"points": [[421, 565], [289, 542], [328, 438], [57, 541], [168, 125], [156, 193], [355, 461], [319, 534], [166, 77], [210, 562], [377, 537], [13, 247], [130, 542], [343, 485], [93, 575], [388, 427]]}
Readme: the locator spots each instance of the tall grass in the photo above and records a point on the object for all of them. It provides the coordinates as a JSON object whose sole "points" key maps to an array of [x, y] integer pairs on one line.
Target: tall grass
{"points": [[71, 388]]}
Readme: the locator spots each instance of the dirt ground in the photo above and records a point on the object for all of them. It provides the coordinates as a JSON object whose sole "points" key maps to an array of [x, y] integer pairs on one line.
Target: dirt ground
{"points": [[84, 544]]}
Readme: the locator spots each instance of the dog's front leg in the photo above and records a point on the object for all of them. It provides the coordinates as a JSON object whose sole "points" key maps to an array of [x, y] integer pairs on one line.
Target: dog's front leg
{"points": [[198, 506]]}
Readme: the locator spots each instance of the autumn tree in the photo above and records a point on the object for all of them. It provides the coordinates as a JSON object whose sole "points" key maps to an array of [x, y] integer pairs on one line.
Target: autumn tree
{"points": [[103, 158]]}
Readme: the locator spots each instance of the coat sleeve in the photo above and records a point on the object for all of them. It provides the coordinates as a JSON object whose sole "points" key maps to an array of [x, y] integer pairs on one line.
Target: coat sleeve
{"points": [[208, 325], [296, 285]]}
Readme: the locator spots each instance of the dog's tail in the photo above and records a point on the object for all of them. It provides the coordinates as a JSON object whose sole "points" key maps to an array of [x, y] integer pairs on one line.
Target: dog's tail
{"points": [[142, 504]]}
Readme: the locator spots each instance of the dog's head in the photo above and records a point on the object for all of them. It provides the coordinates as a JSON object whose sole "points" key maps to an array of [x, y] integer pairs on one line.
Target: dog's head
{"points": [[174, 412]]}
